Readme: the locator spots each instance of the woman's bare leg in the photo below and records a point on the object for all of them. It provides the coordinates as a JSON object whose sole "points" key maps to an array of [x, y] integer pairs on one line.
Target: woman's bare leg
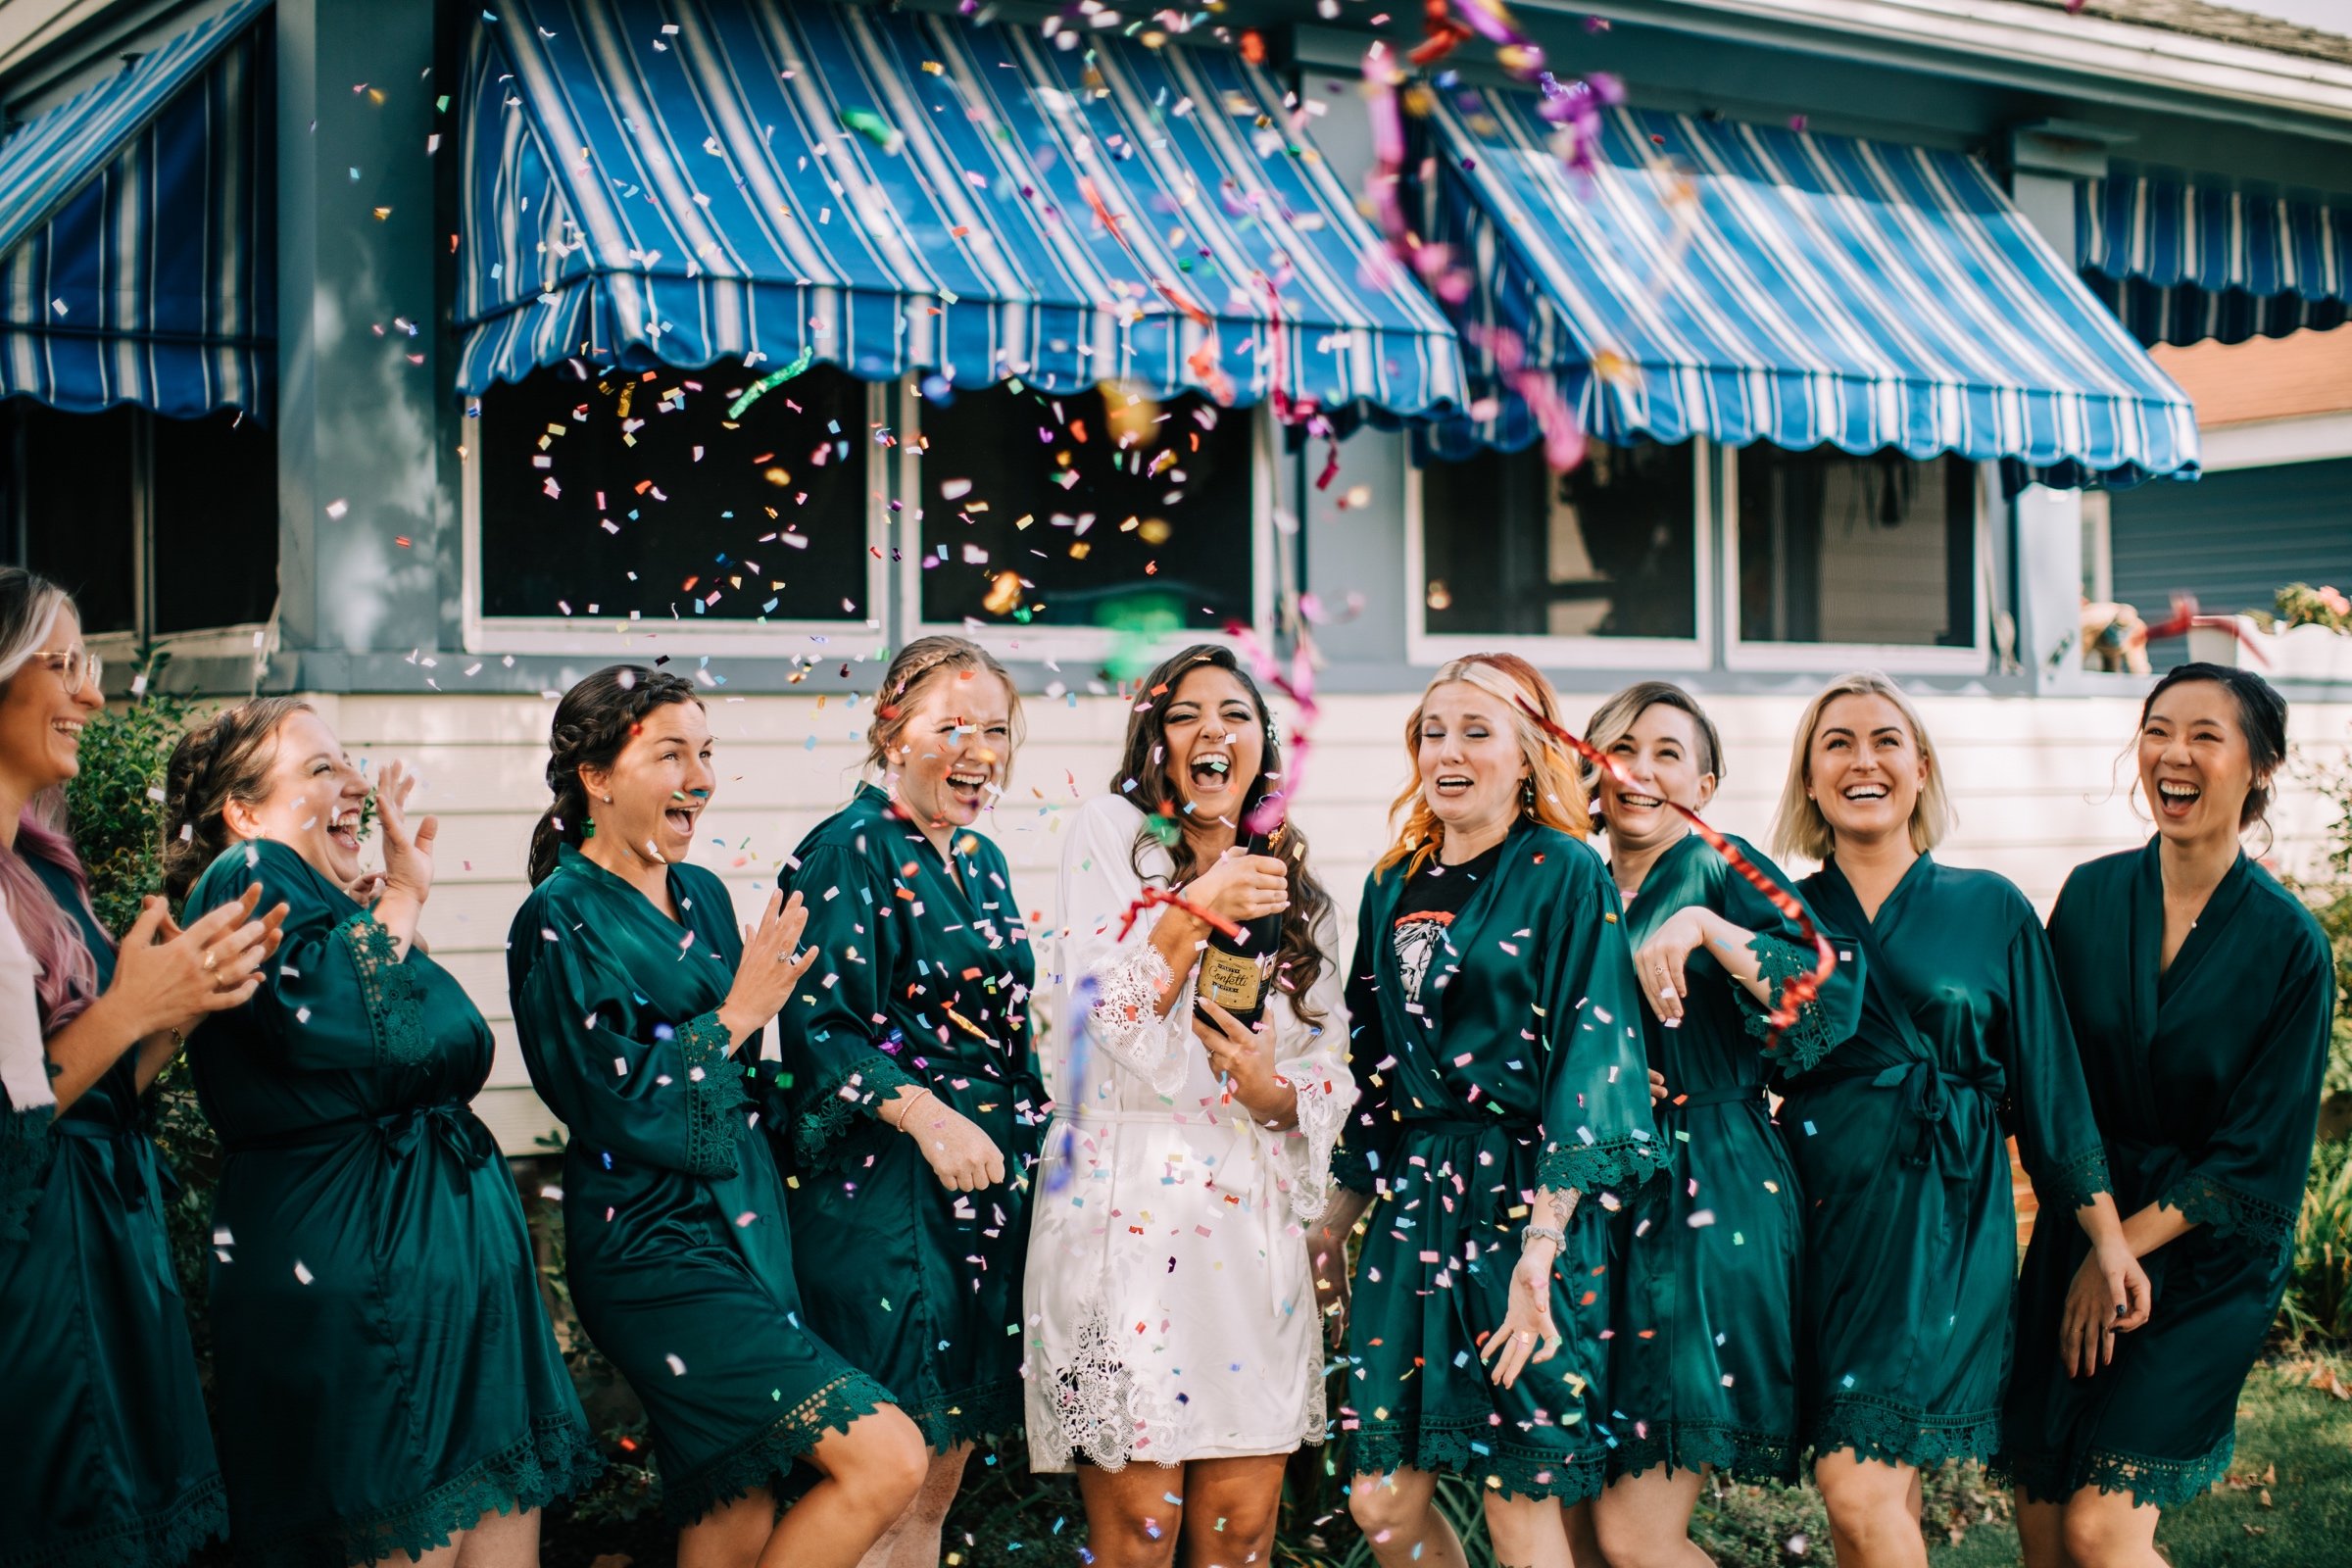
{"points": [[2110, 1530], [1874, 1511], [731, 1535], [1644, 1520], [871, 1472], [913, 1540], [1398, 1513], [1230, 1509], [1134, 1515], [1528, 1532]]}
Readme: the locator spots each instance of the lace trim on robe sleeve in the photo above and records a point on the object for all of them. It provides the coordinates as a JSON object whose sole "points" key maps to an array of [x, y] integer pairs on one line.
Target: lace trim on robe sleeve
{"points": [[1125, 1024], [389, 990], [714, 1094], [852, 1093], [1804, 1043], [1303, 1155], [1621, 1164], [2075, 1181], [2227, 1210]]}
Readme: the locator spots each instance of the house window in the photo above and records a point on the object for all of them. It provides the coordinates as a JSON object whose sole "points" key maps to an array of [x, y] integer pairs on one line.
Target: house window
{"points": [[158, 526], [1609, 550], [1085, 509], [1875, 550], [666, 496]]}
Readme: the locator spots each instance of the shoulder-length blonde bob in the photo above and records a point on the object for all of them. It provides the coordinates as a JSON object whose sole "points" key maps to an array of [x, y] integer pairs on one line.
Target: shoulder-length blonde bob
{"points": [[1799, 828], [1554, 797]]}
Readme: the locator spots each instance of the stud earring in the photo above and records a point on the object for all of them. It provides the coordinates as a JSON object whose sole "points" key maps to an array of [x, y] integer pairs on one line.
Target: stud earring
{"points": [[608, 799]]}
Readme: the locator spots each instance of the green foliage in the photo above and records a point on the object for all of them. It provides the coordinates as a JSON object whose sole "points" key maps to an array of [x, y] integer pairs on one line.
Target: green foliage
{"points": [[2318, 1294], [116, 803], [2299, 603]]}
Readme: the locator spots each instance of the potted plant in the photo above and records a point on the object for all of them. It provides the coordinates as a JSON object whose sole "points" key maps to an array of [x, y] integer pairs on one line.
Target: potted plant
{"points": [[2307, 636]]}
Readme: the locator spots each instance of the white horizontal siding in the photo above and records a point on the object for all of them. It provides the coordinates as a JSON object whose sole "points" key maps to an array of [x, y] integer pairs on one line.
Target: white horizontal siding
{"points": [[2041, 785]]}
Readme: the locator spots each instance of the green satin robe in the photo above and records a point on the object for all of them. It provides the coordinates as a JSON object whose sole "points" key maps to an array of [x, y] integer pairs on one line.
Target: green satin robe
{"points": [[677, 1243], [111, 1460], [2206, 1081], [1910, 1253], [1521, 1067], [382, 1360], [1703, 1359], [917, 1284]]}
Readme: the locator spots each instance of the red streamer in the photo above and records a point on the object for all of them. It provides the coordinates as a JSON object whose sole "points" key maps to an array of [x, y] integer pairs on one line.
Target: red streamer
{"points": [[1175, 901], [2185, 618], [1800, 989], [1205, 361]]}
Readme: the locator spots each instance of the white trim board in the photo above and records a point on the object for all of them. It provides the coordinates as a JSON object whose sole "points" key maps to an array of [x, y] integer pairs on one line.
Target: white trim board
{"points": [[2260, 443]]}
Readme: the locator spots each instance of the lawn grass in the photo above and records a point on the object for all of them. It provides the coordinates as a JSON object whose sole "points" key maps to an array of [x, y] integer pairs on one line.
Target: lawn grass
{"points": [[2287, 1503]]}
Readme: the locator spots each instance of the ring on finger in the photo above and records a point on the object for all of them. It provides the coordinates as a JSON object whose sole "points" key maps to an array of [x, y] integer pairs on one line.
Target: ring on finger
{"points": [[211, 959]]}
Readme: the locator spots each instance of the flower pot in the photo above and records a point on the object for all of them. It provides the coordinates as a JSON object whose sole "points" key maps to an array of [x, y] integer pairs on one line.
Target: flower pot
{"points": [[2299, 653]]}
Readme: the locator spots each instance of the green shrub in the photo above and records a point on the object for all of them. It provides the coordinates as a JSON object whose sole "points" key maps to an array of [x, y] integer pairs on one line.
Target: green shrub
{"points": [[2319, 1294]]}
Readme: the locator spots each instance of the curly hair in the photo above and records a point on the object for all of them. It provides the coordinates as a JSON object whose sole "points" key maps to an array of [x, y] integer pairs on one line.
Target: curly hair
{"points": [[593, 723], [227, 757], [1298, 962]]}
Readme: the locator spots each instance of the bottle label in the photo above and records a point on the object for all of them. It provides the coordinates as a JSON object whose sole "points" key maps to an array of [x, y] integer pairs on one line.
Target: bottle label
{"points": [[1231, 980]]}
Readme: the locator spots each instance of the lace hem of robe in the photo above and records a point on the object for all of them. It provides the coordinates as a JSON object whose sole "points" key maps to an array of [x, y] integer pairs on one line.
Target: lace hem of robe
{"points": [[766, 1458], [25, 1152], [2152, 1482], [556, 1459], [1621, 1165], [2077, 1182], [390, 992], [1895, 1433], [1125, 1024], [714, 1091], [1476, 1449], [2227, 1211], [1804, 1043], [853, 1093], [977, 1414], [163, 1539], [1736, 1453]]}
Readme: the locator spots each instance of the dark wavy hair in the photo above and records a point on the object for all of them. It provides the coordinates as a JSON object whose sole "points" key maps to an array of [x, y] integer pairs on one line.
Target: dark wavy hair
{"points": [[1298, 962], [2261, 714], [594, 721], [227, 757]]}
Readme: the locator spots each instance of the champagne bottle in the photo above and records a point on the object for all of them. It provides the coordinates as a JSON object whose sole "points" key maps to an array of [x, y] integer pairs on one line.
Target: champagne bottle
{"points": [[1237, 974]]}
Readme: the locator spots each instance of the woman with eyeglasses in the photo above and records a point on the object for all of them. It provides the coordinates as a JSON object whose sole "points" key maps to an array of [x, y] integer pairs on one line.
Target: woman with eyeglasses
{"points": [[909, 1100], [97, 1374], [386, 1374]]}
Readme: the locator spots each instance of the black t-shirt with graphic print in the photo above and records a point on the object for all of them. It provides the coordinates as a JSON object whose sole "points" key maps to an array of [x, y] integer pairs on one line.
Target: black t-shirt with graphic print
{"points": [[1433, 895]]}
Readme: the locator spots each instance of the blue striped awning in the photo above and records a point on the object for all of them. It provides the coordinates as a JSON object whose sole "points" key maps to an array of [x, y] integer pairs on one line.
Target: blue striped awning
{"points": [[1752, 283], [136, 259], [894, 192], [2181, 261]]}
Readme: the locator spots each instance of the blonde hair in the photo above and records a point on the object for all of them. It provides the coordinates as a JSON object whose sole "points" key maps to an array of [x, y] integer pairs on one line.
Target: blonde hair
{"points": [[1799, 828], [1615, 719], [1553, 796], [916, 665]]}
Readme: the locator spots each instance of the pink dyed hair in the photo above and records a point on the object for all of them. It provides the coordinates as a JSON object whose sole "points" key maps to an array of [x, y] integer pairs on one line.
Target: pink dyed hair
{"points": [[69, 975]]}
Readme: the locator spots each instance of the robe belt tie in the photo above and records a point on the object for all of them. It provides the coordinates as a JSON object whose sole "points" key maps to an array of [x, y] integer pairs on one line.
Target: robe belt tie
{"points": [[1927, 1093], [400, 1133], [1457, 1126], [1735, 1093], [126, 1143]]}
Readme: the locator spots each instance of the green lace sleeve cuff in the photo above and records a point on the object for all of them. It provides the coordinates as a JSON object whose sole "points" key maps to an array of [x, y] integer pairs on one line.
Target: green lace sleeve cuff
{"points": [[842, 1099], [2073, 1183], [24, 1145], [1351, 1168], [1619, 1165], [1804, 1043], [714, 1094], [2227, 1210], [388, 992]]}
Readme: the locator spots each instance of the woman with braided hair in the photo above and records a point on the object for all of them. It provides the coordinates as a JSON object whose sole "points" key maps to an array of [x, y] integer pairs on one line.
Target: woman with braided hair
{"points": [[634, 991], [387, 1379], [908, 1101]]}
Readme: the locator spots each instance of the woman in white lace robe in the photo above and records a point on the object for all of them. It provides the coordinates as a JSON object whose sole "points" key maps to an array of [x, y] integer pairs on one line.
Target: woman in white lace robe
{"points": [[1175, 1341]]}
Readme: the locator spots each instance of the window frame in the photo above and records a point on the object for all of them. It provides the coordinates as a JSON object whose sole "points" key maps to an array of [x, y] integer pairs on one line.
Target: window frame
{"points": [[1078, 645], [122, 650], [1424, 648], [480, 633], [1893, 659]]}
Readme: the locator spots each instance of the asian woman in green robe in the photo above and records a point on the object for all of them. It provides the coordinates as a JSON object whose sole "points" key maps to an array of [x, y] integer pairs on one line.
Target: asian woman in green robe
{"points": [[386, 1376], [1702, 1356], [113, 1463], [1497, 1040], [2201, 993], [1910, 1250], [909, 1107], [638, 1000]]}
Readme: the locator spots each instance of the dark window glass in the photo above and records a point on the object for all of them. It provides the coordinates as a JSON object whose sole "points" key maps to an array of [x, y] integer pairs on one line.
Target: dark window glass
{"points": [[1840, 549], [1609, 548], [72, 504], [214, 520], [639, 493], [1078, 510]]}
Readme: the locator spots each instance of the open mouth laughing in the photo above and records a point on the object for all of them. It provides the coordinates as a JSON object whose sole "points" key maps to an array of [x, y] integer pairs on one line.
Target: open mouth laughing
{"points": [[344, 829], [2178, 796]]}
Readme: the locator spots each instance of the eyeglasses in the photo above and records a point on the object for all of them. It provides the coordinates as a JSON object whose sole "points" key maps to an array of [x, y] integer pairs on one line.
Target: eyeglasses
{"points": [[76, 667]]}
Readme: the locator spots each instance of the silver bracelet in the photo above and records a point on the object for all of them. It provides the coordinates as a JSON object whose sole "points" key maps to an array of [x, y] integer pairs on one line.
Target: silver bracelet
{"points": [[1554, 1234]]}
